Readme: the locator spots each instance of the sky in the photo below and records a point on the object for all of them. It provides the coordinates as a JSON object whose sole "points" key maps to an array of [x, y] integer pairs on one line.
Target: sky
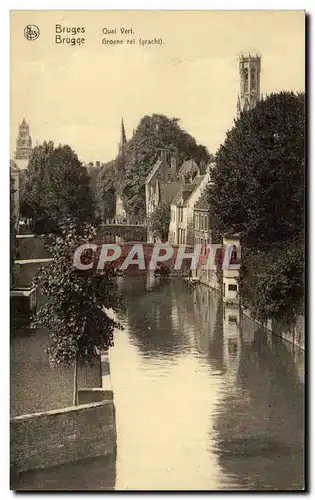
{"points": [[78, 95]]}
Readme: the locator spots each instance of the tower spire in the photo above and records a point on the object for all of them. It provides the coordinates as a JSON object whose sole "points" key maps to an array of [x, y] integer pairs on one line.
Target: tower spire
{"points": [[123, 138]]}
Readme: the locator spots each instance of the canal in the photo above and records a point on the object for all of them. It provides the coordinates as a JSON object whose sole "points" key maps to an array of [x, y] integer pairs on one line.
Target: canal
{"points": [[204, 400]]}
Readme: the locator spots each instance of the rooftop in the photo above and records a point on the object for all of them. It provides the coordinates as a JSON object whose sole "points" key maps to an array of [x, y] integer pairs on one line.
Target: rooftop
{"points": [[153, 171], [169, 190], [203, 203], [186, 190]]}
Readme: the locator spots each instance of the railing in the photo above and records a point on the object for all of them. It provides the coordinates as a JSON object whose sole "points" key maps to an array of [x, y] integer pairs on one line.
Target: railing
{"points": [[123, 222]]}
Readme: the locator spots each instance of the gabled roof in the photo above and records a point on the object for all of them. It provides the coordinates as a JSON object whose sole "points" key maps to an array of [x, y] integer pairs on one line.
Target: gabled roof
{"points": [[168, 191], [203, 203], [186, 190], [153, 171]]}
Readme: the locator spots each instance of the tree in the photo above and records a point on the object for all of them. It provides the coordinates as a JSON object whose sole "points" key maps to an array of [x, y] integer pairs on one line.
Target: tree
{"points": [[75, 310], [153, 135], [159, 221], [257, 190], [257, 185], [56, 187], [272, 282], [104, 191]]}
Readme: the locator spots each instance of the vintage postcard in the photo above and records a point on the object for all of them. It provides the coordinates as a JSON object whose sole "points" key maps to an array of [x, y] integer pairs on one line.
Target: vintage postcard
{"points": [[157, 177]]}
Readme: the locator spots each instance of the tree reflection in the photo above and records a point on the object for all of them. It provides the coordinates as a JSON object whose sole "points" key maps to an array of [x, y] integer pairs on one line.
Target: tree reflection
{"points": [[259, 422], [155, 317]]}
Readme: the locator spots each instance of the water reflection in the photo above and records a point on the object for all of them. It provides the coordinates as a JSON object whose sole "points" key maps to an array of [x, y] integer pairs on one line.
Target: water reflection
{"points": [[94, 474], [205, 399]]}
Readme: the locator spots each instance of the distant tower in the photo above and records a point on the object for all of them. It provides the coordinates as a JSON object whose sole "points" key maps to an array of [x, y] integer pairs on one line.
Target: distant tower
{"points": [[123, 139], [23, 142], [249, 95]]}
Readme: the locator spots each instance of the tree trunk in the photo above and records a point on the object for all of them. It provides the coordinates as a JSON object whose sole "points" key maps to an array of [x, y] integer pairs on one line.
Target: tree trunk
{"points": [[75, 382]]}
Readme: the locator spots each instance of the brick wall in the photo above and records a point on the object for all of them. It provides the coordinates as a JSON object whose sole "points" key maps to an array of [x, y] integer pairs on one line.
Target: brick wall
{"points": [[59, 436]]}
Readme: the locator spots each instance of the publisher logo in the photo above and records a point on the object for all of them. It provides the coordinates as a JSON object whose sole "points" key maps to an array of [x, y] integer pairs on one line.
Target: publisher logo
{"points": [[31, 32]]}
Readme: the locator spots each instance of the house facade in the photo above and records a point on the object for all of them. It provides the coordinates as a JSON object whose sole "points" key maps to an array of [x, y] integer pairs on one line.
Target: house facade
{"points": [[181, 231], [202, 233]]}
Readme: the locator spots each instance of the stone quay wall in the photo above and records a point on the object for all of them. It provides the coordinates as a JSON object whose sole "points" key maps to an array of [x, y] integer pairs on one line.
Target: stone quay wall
{"points": [[49, 438]]}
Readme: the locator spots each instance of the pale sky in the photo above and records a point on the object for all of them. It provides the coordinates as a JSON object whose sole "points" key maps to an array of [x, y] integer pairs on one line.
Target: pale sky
{"points": [[77, 95]]}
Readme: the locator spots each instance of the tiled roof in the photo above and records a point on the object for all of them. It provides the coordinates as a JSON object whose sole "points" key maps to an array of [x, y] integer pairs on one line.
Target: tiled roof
{"points": [[154, 170], [169, 190], [186, 190]]}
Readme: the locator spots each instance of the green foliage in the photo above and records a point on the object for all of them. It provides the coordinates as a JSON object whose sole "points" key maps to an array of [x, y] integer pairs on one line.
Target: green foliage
{"points": [[74, 310], [159, 221], [103, 190], [56, 187], [257, 184], [153, 135], [272, 282], [257, 190]]}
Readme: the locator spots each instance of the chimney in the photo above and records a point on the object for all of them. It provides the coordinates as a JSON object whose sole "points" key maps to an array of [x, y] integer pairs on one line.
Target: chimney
{"points": [[164, 155], [174, 165]]}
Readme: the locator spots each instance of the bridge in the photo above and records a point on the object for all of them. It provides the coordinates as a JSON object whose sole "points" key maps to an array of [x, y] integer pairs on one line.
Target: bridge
{"points": [[127, 231]]}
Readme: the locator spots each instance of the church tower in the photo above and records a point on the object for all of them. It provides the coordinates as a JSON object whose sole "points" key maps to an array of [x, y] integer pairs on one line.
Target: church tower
{"points": [[249, 68], [23, 142], [123, 139], [120, 212]]}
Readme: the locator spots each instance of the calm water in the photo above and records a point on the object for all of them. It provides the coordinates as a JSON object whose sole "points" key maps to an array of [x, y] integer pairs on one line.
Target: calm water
{"points": [[204, 400]]}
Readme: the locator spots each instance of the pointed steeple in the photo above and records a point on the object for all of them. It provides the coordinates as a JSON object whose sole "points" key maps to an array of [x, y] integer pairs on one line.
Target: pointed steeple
{"points": [[123, 139]]}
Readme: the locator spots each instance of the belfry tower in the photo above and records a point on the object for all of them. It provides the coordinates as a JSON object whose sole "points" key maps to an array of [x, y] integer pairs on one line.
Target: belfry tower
{"points": [[249, 68], [23, 142]]}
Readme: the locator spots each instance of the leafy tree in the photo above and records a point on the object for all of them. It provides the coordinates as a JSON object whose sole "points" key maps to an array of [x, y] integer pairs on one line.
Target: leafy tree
{"points": [[74, 311], [56, 187], [257, 190], [272, 282], [257, 186], [153, 135], [104, 191], [159, 221]]}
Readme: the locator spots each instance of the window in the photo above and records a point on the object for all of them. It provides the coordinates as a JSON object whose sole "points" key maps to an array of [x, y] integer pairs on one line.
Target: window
{"points": [[233, 258], [206, 223], [232, 288], [253, 78], [201, 222], [180, 214], [196, 221], [245, 80]]}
